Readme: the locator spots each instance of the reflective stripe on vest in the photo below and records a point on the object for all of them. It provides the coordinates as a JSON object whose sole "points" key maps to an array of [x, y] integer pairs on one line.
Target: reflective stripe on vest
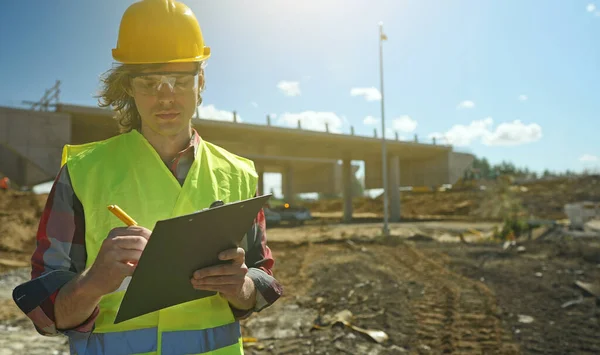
{"points": [[145, 341], [117, 343], [200, 341]]}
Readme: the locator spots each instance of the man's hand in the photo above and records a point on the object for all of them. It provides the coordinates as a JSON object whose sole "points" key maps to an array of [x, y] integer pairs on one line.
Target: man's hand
{"points": [[229, 280], [117, 258]]}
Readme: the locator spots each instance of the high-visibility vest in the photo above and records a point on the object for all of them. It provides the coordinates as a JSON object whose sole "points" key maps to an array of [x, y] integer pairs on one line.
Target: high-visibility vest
{"points": [[126, 170]]}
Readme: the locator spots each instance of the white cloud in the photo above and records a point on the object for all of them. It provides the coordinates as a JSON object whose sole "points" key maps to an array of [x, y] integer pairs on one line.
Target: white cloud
{"points": [[505, 134], [370, 94], [390, 133], [370, 120], [466, 105], [514, 133], [589, 158], [289, 88], [404, 124], [312, 120], [523, 97], [253, 103], [591, 8], [210, 112], [461, 135]]}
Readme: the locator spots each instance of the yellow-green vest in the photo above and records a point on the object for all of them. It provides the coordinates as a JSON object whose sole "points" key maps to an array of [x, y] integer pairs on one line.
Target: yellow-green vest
{"points": [[126, 170]]}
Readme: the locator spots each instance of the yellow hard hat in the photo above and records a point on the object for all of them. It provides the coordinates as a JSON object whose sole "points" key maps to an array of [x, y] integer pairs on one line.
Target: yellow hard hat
{"points": [[159, 31]]}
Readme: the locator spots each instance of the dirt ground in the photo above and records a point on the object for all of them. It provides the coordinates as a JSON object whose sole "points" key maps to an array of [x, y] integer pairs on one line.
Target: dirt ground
{"points": [[433, 297], [421, 291], [539, 283], [542, 199], [19, 217]]}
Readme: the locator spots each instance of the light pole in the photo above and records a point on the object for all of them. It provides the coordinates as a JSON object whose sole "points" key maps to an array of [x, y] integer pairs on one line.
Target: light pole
{"points": [[386, 230]]}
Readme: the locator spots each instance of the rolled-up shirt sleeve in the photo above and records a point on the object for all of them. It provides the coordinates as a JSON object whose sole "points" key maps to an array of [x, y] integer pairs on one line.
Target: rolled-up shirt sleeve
{"points": [[59, 256], [260, 262]]}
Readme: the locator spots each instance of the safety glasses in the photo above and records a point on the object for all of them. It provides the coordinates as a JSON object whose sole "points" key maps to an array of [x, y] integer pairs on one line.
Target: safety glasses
{"points": [[176, 82]]}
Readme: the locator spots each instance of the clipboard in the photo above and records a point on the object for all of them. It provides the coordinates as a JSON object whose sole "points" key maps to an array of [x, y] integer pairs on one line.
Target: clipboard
{"points": [[179, 246]]}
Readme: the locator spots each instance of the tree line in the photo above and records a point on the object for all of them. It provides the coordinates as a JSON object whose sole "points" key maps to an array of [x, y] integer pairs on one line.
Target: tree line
{"points": [[482, 169]]}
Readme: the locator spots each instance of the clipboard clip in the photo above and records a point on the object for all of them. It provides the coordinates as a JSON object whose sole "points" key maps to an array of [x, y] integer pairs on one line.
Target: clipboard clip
{"points": [[217, 203]]}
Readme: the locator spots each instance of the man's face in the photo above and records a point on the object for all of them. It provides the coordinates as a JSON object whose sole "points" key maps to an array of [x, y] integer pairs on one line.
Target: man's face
{"points": [[166, 97]]}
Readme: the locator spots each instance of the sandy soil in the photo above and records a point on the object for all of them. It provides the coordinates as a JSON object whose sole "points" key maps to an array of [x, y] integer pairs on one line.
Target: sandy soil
{"points": [[434, 297], [539, 199], [424, 288]]}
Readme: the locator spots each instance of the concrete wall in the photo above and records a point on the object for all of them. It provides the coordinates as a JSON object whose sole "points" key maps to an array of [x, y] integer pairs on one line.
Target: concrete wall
{"points": [[318, 178], [32, 143], [323, 178], [338, 177], [427, 172], [12, 164], [431, 172], [459, 162]]}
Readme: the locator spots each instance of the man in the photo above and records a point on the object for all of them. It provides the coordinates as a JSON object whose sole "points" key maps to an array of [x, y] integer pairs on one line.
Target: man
{"points": [[158, 167]]}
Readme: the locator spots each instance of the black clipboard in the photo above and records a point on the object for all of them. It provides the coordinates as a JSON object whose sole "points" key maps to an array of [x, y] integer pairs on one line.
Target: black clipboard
{"points": [[178, 247]]}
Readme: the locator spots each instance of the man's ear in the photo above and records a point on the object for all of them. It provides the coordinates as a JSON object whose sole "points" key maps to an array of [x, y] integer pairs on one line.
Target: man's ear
{"points": [[201, 82]]}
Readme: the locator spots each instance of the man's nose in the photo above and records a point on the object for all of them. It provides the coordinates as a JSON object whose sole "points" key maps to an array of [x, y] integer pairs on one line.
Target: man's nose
{"points": [[165, 95]]}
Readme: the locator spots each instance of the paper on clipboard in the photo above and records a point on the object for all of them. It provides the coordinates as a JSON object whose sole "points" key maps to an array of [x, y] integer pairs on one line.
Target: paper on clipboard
{"points": [[178, 247]]}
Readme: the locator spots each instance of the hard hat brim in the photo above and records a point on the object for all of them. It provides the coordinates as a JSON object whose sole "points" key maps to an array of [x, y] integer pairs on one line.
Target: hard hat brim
{"points": [[122, 58]]}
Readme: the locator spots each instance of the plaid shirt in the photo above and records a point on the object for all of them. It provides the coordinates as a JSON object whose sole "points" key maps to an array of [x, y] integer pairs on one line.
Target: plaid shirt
{"points": [[60, 253]]}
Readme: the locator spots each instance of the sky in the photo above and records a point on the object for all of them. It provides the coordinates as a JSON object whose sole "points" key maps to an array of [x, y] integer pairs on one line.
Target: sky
{"points": [[506, 80]]}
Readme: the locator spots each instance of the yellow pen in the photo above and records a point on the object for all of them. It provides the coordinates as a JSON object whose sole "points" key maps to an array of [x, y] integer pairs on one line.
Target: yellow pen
{"points": [[117, 211]]}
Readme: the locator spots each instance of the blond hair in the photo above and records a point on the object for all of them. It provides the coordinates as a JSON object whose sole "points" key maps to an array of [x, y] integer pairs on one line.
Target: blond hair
{"points": [[116, 93]]}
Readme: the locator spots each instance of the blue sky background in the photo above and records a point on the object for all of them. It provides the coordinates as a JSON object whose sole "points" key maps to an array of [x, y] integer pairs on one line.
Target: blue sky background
{"points": [[526, 72]]}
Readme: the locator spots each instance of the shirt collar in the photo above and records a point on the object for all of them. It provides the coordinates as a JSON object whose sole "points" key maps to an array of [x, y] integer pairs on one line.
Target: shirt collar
{"points": [[190, 150], [195, 141]]}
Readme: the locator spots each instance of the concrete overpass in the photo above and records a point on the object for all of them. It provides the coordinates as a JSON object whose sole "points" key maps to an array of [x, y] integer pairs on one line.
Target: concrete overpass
{"points": [[31, 142]]}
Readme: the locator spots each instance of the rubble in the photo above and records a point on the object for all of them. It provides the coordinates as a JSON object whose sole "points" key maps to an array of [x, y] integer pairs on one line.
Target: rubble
{"points": [[540, 199], [432, 287]]}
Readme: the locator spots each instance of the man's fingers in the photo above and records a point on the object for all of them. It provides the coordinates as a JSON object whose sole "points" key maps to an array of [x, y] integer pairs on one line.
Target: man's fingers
{"points": [[218, 270], [128, 255], [219, 280], [224, 289], [141, 231], [133, 242], [233, 254], [132, 230], [215, 288], [126, 269]]}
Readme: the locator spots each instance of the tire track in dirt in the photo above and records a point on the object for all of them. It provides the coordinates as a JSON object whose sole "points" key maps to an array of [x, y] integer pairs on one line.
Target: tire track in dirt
{"points": [[293, 274], [305, 281], [421, 305], [521, 291], [454, 314], [298, 258]]}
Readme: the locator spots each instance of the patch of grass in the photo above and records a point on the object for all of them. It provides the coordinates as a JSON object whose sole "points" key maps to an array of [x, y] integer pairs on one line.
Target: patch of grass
{"points": [[512, 228]]}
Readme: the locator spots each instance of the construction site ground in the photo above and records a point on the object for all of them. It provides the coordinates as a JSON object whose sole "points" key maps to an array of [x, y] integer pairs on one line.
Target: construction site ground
{"points": [[435, 286]]}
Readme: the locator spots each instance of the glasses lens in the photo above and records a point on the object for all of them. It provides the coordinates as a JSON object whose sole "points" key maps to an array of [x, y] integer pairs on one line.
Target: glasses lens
{"points": [[176, 83]]}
